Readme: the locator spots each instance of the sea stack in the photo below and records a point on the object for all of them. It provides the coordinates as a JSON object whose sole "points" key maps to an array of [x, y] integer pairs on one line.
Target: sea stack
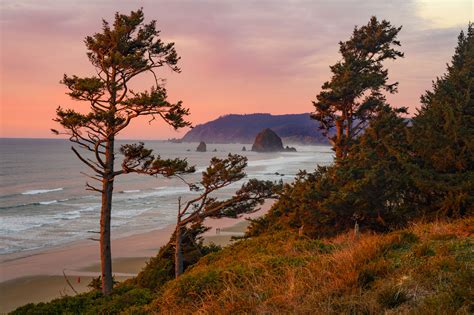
{"points": [[201, 147], [267, 141]]}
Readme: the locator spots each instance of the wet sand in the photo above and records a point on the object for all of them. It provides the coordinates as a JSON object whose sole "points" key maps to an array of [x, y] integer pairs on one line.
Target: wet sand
{"points": [[37, 276]]}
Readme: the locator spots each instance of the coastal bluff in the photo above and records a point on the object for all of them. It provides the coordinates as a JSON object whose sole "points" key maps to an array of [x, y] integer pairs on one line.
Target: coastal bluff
{"points": [[233, 128]]}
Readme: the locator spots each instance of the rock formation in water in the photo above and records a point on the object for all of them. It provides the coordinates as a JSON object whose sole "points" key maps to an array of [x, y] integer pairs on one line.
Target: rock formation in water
{"points": [[201, 147], [268, 141]]}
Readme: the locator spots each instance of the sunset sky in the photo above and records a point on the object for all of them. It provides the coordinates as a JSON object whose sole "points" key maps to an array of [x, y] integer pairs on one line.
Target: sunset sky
{"points": [[237, 56]]}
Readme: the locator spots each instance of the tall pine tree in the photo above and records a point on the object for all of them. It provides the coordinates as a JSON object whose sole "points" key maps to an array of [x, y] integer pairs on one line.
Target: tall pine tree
{"points": [[354, 93], [119, 53]]}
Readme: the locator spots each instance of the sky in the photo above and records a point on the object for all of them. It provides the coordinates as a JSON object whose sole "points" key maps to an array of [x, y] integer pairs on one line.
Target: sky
{"points": [[236, 56]]}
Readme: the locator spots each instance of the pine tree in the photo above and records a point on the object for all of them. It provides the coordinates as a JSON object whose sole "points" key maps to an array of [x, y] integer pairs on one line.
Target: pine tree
{"points": [[442, 135], [219, 174], [350, 99], [119, 54]]}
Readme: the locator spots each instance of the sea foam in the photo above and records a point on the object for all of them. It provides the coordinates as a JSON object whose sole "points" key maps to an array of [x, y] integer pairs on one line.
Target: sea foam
{"points": [[47, 202], [41, 191]]}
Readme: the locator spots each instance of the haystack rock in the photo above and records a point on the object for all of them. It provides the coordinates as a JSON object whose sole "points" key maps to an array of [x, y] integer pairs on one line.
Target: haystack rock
{"points": [[267, 141], [201, 147]]}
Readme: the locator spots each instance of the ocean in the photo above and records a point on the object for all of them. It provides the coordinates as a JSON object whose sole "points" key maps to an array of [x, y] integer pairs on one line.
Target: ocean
{"points": [[43, 201]]}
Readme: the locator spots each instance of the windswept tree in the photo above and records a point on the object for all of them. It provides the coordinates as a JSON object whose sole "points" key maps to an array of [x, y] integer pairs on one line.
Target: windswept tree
{"points": [[119, 53], [219, 174], [355, 92]]}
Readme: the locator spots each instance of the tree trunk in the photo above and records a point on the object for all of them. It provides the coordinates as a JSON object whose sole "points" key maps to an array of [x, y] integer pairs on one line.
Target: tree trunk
{"points": [[338, 142], [105, 219], [348, 136], [178, 254]]}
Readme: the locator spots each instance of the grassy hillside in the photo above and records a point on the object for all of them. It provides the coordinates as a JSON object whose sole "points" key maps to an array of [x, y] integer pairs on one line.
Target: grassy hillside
{"points": [[425, 269]]}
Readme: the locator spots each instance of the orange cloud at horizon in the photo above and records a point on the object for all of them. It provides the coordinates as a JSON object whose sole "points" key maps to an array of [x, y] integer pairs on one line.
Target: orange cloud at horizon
{"points": [[237, 57]]}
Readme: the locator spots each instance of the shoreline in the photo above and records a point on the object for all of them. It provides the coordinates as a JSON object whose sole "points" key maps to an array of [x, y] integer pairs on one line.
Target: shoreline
{"points": [[37, 275]]}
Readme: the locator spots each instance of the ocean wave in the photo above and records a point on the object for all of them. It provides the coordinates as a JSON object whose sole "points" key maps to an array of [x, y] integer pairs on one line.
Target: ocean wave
{"points": [[90, 208], [41, 191], [70, 215], [47, 202], [40, 203], [282, 160], [158, 192], [130, 191], [130, 213], [21, 205], [20, 224]]}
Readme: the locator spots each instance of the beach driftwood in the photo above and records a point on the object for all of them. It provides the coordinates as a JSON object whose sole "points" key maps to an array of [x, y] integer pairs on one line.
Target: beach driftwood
{"points": [[69, 283]]}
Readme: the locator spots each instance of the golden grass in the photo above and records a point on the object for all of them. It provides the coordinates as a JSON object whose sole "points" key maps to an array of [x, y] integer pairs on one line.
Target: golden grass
{"points": [[427, 268]]}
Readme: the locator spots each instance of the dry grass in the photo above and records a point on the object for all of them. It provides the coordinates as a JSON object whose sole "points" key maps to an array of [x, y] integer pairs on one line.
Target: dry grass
{"points": [[427, 268]]}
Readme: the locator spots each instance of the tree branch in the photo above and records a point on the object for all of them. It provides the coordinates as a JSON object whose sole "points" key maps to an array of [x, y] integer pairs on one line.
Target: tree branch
{"points": [[87, 162]]}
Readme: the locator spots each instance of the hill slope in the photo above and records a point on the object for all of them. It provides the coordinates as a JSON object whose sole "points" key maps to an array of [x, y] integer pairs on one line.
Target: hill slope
{"points": [[426, 269], [292, 128]]}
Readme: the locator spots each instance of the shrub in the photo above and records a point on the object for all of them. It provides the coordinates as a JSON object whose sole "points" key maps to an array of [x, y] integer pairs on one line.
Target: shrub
{"points": [[392, 296]]}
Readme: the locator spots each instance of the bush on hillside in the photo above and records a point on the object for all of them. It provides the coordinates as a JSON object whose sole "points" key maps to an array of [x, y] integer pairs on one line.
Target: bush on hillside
{"points": [[160, 269]]}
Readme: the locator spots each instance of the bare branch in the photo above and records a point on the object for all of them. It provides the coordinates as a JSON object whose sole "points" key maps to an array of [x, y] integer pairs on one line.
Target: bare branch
{"points": [[92, 177], [87, 162], [92, 188]]}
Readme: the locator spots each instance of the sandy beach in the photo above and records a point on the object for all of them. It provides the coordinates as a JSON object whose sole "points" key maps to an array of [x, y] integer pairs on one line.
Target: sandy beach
{"points": [[37, 275]]}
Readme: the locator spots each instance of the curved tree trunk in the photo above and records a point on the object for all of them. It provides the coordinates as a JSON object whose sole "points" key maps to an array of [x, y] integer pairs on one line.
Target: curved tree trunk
{"points": [[178, 254], [105, 219]]}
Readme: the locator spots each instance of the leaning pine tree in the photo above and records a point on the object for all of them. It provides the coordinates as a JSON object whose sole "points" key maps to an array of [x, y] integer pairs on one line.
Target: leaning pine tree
{"points": [[354, 93], [219, 174], [119, 53]]}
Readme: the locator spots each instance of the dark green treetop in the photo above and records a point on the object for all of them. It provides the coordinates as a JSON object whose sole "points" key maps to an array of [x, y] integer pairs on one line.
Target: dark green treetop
{"points": [[351, 98], [119, 53], [442, 136]]}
